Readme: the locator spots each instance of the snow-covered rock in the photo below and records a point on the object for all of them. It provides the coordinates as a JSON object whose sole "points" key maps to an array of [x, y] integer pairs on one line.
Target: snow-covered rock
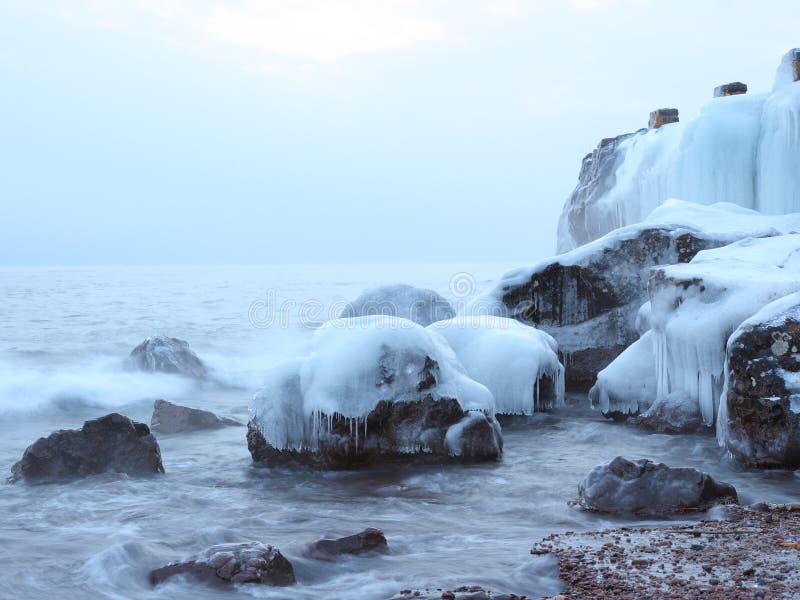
{"points": [[404, 301], [646, 488], [518, 363], [696, 307], [373, 389], [167, 355], [588, 299], [742, 149], [759, 421], [226, 564]]}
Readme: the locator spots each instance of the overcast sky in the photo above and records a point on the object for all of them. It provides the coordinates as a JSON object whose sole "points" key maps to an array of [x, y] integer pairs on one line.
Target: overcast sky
{"points": [[279, 131]]}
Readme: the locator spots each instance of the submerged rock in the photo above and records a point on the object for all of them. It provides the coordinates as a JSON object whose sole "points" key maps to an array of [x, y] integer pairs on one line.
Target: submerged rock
{"points": [[404, 301], [173, 418], [232, 563], [760, 417], [112, 443], [645, 488], [167, 355], [369, 540], [373, 390]]}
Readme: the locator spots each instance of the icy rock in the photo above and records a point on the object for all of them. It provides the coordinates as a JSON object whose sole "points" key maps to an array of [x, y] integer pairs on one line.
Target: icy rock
{"points": [[588, 299], [696, 307], [760, 417], [373, 389], [518, 363], [627, 387], [646, 488], [112, 443], [173, 418], [404, 301], [369, 540], [167, 355], [232, 563], [716, 157], [676, 413]]}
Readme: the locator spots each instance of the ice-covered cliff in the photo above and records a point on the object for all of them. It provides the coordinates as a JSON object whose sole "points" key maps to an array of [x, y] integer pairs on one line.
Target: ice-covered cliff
{"points": [[742, 149]]}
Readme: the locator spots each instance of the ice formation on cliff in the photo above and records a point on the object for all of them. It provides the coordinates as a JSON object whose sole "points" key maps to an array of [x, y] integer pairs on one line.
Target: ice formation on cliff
{"points": [[510, 358], [742, 149]]}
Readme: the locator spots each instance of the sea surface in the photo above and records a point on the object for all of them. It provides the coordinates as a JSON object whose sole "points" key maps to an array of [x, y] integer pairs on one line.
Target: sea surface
{"points": [[64, 337]]}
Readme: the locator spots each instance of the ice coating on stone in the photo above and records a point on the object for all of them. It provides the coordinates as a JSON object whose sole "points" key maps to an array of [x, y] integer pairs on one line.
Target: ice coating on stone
{"points": [[643, 318], [508, 357], [353, 365], [741, 149], [455, 439], [696, 306], [628, 385], [405, 301]]}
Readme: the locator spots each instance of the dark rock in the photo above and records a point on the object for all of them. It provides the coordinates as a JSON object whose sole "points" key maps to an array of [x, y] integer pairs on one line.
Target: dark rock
{"points": [[646, 488], [167, 355], [675, 413], [112, 443], [172, 418], [369, 540], [405, 301], [232, 563], [763, 387]]}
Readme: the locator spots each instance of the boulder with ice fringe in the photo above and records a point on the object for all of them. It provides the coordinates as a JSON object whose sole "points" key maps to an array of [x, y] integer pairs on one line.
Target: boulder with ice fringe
{"points": [[742, 149], [373, 390], [643, 487], [173, 418], [404, 301], [113, 443], [167, 355], [696, 307], [518, 363], [676, 413], [759, 419], [369, 540], [232, 563], [588, 299]]}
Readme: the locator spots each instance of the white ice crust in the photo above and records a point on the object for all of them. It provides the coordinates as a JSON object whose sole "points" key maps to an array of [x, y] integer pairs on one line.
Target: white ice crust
{"points": [[508, 357]]}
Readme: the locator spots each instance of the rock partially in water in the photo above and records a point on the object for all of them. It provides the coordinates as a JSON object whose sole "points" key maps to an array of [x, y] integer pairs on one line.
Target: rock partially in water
{"points": [[643, 487], [675, 413], [113, 443], [250, 562], [419, 305], [369, 540], [465, 592], [173, 418], [760, 420], [167, 355]]}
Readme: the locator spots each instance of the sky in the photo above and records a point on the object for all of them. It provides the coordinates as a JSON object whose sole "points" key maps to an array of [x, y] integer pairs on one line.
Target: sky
{"points": [[336, 131]]}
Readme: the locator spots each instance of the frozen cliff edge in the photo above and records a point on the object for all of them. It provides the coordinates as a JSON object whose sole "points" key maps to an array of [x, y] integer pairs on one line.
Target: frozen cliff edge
{"points": [[742, 149]]}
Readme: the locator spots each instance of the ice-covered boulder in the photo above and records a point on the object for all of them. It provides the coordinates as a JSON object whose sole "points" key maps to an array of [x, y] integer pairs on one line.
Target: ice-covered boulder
{"points": [[369, 540], [173, 418], [742, 149], [696, 307], [404, 301], [647, 488], [518, 363], [588, 299], [759, 420], [373, 389], [675, 413], [226, 564], [167, 355], [113, 443]]}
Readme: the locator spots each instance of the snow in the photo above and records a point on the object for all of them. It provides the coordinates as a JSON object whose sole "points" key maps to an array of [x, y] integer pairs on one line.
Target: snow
{"points": [[508, 357], [354, 364], [741, 149], [627, 385], [405, 301], [696, 306], [643, 317]]}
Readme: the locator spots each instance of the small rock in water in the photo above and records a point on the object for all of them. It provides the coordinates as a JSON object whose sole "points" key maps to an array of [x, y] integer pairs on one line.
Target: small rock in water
{"points": [[369, 540], [173, 418], [112, 443], [167, 355], [233, 563]]}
